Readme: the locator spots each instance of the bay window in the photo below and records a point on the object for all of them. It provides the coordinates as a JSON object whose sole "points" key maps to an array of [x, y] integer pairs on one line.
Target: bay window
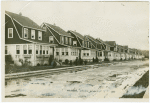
{"points": [[47, 49], [10, 32], [43, 49], [40, 49]]}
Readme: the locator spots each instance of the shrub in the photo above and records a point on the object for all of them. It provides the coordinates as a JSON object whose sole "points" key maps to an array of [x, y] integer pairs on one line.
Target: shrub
{"points": [[106, 59], [50, 59], [93, 59], [8, 59], [66, 61], [80, 61], [45, 64], [121, 59], [114, 59], [96, 60], [70, 62], [85, 62], [38, 64], [53, 63], [76, 61]]}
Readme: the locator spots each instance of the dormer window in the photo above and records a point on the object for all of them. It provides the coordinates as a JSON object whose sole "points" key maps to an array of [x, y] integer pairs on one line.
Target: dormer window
{"points": [[32, 34], [10, 32], [39, 35], [51, 39], [74, 43], [70, 41], [66, 40], [25, 33]]}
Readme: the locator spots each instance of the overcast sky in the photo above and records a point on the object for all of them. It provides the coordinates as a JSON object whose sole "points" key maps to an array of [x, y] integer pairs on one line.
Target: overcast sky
{"points": [[127, 23]]}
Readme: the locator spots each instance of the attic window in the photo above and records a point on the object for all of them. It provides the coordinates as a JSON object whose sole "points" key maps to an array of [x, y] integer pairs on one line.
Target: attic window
{"points": [[74, 43], [51, 39], [10, 32], [39, 35], [25, 33], [32, 34], [62, 39]]}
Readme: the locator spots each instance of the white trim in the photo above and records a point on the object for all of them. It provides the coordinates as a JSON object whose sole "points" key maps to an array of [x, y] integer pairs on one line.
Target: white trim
{"points": [[59, 33], [53, 34], [32, 34], [12, 32]]}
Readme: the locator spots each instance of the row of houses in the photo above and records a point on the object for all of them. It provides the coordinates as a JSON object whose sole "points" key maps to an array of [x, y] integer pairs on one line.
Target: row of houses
{"points": [[26, 40]]}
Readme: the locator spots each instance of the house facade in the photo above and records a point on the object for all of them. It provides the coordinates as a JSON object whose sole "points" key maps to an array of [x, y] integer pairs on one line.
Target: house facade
{"points": [[25, 40], [68, 45]]}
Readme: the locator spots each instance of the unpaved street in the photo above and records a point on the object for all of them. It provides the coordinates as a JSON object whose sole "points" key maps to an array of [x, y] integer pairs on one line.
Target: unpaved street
{"points": [[102, 82]]}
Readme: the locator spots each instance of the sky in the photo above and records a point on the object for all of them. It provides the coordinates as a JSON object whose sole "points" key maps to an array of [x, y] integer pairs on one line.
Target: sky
{"points": [[127, 23]]}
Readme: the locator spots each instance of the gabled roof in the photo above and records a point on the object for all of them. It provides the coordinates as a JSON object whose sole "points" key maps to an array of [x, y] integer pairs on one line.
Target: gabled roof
{"points": [[58, 30], [125, 47], [24, 21], [77, 34], [111, 43]]}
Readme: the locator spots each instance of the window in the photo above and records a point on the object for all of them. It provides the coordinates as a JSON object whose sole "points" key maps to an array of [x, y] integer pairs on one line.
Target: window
{"points": [[66, 40], [57, 53], [39, 35], [100, 53], [62, 53], [32, 34], [74, 43], [44, 27], [37, 49], [6, 50], [62, 39], [10, 32], [87, 54], [40, 49], [66, 53], [24, 49], [17, 49], [25, 33], [84, 54], [43, 49], [70, 41], [51, 39], [30, 49], [47, 49]]}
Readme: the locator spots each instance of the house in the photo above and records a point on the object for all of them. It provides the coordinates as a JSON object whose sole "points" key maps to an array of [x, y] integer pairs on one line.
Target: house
{"points": [[122, 52], [126, 51], [67, 44], [25, 40], [112, 54]]}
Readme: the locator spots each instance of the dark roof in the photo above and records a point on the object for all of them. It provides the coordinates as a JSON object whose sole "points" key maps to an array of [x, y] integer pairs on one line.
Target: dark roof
{"points": [[125, 47], [77, 34], [59, 30], [111, 43], [91, 38], [25, 21]]}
